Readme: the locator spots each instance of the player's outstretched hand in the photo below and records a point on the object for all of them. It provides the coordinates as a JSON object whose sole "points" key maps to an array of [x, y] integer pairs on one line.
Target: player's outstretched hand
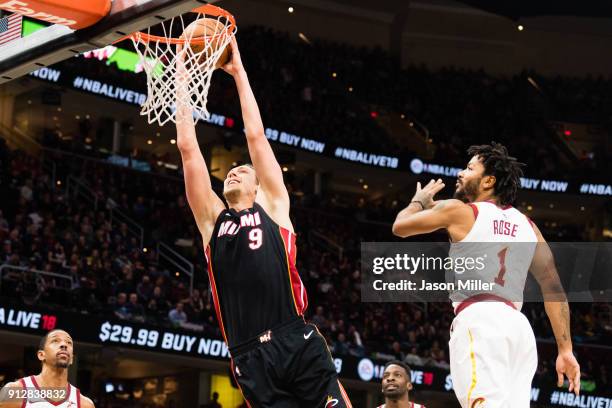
{"points": [[234, 66], [568, 365], [426, 194]]}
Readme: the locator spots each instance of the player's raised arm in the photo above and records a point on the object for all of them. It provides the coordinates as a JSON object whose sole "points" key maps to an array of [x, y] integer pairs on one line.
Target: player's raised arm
{"points": [[268, 170], [555, 302], [423, 215], [204, 202]]}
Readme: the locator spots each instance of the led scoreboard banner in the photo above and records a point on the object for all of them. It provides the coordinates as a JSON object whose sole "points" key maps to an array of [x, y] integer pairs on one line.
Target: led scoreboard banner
{"points": [[102, 331], [102, 87]]}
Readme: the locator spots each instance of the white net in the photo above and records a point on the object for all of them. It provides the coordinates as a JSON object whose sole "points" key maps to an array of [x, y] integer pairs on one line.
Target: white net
{"points": [[179, 62]]}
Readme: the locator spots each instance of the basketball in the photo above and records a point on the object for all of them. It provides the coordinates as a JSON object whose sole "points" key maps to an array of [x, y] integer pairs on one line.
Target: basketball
{"points": [[207, 28]]}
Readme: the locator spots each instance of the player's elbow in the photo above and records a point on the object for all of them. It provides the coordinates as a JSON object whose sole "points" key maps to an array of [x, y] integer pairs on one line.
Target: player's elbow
{"points": [[400, 230], [185, 144], [255, 133]]}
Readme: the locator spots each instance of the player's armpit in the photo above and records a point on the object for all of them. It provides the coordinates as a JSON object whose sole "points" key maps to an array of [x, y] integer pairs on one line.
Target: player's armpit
{"points": [[10, 401], [86, 402], [411, 221]]}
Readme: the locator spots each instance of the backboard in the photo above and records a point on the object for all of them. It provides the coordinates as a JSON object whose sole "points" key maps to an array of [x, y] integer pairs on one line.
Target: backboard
{"points": [[58, 42]]}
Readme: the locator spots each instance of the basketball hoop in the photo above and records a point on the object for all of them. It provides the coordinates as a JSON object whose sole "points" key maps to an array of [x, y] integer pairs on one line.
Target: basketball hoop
{"points": [[179, 60]]}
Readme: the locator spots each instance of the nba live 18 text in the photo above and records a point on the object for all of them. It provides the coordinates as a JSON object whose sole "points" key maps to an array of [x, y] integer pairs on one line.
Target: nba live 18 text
{"points": [[407, 285]]}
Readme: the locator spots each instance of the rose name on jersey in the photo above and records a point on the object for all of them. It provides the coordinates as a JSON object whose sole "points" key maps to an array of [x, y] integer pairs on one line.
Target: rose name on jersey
{"points": [[246, 220], [501, 227]]}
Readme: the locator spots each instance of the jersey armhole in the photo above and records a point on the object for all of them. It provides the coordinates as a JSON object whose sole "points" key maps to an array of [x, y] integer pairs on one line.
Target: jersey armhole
{"points": [[25, 387], [531, 223], [474, 210]]}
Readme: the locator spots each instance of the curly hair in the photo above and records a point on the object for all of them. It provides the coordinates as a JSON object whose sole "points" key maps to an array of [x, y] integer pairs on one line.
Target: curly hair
{"points": [[506, 169]]}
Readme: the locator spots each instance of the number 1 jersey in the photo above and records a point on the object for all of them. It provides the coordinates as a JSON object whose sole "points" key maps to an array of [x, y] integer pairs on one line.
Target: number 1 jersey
{"points": [[253, 277], [502, 242]]}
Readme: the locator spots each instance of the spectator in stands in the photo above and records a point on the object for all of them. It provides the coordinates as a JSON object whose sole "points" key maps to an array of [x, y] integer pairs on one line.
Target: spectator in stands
{"points": [[341, 346], [135, 309], [121, 307], [145, 289], [177, 316], [194, 307]]}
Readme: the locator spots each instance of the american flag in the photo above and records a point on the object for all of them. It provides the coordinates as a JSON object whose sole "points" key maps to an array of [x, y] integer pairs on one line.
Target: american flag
{"points": [[10, 28]]}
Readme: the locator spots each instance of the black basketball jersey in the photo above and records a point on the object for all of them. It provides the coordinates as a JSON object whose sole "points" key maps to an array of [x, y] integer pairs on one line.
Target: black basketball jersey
{"points": [[254, 281]]}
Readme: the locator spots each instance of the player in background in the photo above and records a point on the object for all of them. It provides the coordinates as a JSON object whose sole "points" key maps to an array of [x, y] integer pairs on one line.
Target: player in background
{"points": [[492, 348], [55, 353], [396, 385], [278, 359]]}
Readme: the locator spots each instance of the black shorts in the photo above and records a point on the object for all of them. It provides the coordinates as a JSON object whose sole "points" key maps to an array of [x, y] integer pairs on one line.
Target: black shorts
{"points": [[288, 367]]}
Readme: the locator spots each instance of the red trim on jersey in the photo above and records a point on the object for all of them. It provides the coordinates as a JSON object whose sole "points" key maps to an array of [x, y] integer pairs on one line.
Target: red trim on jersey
{"points": [[213, 286], [78, 398], [25, 387], [474, 209], [483, 297], [532, 224], [300, 299], [56, 403], [233, 370], [345, 397]]}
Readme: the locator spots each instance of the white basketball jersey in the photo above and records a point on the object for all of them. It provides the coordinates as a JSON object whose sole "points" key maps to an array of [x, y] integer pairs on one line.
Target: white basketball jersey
{"points": [[505, 240], [73, 396]]}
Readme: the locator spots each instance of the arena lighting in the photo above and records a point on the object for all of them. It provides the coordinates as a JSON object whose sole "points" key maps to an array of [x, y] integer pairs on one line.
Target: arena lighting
{"points": [[567, 132], [144, 250], [365, 186], [59, 109], [77, 117], [334, 74], [149, 142], [172, 141], [551, 205], [581, 208], [285, 169], [374, 114], [304, 38], [290, 9], [520, 27], [529, 208], [350, 89], [403, 116]]}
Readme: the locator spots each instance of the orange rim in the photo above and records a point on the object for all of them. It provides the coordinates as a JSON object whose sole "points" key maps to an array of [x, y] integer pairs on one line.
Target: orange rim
{"points": [[208, 10]]}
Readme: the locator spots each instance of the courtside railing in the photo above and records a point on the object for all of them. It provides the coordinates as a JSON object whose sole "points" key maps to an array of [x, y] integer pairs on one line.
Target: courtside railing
{"points": [[4, 268], [179, 262]]}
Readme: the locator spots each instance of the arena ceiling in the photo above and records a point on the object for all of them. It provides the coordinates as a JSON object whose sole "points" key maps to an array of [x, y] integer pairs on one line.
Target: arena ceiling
{"points": [[516, 9]]}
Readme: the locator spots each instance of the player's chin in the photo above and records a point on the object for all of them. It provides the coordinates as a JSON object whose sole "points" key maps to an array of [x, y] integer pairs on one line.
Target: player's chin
{"points": [[62, 363], [392, 392]]}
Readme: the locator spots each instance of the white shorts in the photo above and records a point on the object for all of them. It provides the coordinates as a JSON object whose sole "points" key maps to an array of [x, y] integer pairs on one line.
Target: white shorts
{"points": [[493, 356]]}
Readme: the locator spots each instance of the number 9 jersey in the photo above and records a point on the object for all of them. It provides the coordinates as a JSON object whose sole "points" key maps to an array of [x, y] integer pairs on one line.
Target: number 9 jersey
{"points": [[254, 281]]}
